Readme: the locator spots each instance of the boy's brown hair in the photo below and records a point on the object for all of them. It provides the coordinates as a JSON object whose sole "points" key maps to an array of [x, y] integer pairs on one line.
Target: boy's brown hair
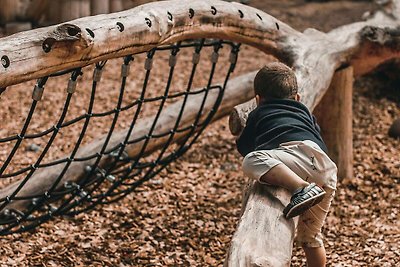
{"points": [[275, 80]]}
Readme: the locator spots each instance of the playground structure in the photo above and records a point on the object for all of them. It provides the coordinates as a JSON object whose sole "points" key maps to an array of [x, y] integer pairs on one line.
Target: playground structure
{"points": [[69, 47]]}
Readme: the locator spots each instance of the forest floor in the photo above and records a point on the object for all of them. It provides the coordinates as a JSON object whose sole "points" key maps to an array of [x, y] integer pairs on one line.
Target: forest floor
{"points": [[186, 216]]}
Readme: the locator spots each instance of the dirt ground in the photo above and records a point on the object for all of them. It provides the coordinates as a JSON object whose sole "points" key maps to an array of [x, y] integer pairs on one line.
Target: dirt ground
{"points": [[187, 214]]}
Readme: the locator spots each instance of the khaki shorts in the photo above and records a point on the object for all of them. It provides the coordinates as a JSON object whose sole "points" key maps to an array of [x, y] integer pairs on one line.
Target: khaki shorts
{"points": [[311, 163]]}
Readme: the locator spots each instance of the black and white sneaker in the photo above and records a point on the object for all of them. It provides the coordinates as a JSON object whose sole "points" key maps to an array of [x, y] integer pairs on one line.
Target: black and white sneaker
{"points": [[303, 199]]}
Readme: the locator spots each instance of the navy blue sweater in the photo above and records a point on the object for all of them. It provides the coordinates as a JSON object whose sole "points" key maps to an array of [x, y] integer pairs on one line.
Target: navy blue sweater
{"points": [[278, 121]]}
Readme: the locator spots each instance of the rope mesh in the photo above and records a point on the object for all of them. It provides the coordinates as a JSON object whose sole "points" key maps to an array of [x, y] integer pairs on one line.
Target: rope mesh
{"points": [[107, 168]]}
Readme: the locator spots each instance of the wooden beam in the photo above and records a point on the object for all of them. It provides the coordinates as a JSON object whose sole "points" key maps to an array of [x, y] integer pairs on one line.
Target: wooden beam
{"points": [[263, 237], [88, 40], [147, 26], [335, 116]]}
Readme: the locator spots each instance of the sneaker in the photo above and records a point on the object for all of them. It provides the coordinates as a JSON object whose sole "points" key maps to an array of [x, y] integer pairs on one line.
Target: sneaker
{"points": [[303, 199]]}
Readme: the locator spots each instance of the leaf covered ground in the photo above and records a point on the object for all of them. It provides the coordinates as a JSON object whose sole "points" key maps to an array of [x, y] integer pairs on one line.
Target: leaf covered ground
{"points": [[186, 215]]}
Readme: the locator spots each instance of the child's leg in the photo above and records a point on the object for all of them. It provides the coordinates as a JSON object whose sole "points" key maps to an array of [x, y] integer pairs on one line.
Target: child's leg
{"points": [[282, 176], [309, 231], [268, 167], [316, 257], [282, 168]]}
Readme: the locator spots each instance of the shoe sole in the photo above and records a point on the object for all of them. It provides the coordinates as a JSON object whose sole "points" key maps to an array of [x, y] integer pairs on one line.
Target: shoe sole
{"points": [[304, 206]]}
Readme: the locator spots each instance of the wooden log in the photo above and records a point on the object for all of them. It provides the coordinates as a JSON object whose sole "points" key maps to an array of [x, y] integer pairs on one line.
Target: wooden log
{"points": [[263, 237], [237, 91], [314, 55], [335, 116], [99, 7], [73, 9], [116, 5], [239, 115]]}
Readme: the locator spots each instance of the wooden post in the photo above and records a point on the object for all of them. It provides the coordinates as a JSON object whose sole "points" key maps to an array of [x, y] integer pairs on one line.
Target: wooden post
{"points": [[99, 7], [73, 9], [116, 5], [334, 114]]}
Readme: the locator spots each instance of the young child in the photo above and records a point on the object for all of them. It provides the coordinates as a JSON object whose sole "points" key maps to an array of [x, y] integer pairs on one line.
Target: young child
{"points": [[283, 147]]}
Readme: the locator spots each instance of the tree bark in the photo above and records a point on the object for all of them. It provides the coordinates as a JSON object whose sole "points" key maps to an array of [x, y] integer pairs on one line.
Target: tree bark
{"points": [[335, 117]]}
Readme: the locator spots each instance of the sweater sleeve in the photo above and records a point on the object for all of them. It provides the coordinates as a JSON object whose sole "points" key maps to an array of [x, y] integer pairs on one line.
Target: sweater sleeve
{"points": [[246, 143]]}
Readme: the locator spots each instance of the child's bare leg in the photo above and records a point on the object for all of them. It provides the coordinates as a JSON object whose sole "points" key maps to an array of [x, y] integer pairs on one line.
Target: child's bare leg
{"points": [[316, 257], [282, 176]]}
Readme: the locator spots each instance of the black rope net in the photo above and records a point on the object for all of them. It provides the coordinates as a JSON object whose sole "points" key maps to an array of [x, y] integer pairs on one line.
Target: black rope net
{"points": [[109, 134]]}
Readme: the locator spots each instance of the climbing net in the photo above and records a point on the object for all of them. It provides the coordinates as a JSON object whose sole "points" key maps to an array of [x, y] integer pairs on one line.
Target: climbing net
{"points": [[105, 168]]}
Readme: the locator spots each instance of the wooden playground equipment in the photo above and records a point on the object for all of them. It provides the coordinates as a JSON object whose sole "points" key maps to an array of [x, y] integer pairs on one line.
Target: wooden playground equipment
{"points": [[324, 63]]}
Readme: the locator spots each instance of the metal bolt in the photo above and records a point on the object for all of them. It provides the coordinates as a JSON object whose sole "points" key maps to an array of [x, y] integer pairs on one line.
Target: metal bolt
{"points": [[213, 10], [148, 22], [120, 26], [170, 17], [5, 61], [191, 13]]}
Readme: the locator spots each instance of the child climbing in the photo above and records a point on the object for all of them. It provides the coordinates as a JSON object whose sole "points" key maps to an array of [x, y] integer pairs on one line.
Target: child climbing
{"points": [[282, 146]]}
